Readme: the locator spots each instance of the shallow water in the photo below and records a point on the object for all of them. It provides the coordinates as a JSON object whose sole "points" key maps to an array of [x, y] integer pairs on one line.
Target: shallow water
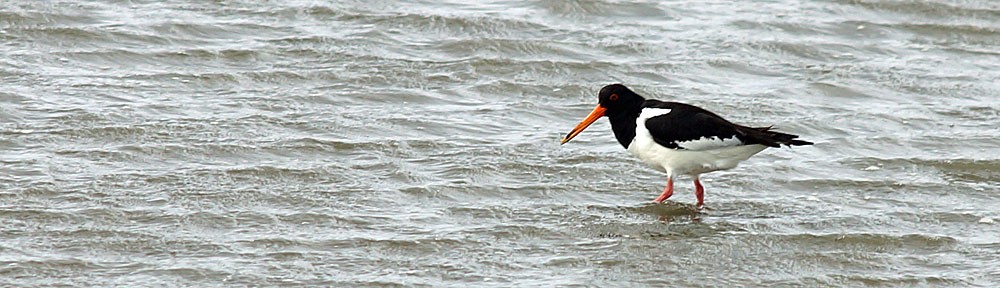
{"points": [[360, 143]]}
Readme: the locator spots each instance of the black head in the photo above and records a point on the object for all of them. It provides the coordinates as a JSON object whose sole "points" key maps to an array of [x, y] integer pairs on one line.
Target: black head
{"points": [[617, 98], [615, 101]]}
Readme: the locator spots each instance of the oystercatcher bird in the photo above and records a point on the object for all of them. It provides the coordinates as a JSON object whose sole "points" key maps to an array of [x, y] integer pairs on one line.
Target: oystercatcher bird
{"points": [[677, 138]]}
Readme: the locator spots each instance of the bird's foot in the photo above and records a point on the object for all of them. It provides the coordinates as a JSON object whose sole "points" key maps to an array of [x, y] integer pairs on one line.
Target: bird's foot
{"points": [[667, 192]]}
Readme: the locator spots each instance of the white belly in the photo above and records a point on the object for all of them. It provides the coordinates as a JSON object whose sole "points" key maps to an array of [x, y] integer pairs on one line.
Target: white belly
{"points": [[699, 157], [689, 162]]}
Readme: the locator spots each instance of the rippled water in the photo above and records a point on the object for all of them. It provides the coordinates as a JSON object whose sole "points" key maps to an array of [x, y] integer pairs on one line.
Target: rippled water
{"points": [[208, 143]]}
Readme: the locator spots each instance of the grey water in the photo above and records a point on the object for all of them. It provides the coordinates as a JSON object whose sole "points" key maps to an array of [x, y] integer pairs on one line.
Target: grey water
{"points": [[416, 143]]}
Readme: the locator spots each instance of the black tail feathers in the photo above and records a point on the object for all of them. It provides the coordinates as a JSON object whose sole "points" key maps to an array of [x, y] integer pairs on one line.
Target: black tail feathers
{"points": [[764, 135]]}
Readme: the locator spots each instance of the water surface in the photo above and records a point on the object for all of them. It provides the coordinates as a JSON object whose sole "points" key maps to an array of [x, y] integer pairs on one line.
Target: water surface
{"points": [[361, 143]]}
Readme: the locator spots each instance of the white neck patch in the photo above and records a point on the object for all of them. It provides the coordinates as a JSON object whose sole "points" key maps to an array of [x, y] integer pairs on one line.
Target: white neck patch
{"points": [[649, 113]]}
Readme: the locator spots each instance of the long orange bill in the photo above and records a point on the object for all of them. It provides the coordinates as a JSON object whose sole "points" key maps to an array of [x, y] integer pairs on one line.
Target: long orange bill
{"points": [[594, 115]]}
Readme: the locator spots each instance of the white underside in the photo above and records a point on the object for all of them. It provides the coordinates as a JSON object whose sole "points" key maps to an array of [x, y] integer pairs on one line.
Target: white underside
{"points": [[691, 162], [687, 162]]}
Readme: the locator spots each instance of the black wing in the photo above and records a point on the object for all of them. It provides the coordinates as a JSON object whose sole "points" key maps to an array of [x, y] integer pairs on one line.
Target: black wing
{"points": [[692, 128]]}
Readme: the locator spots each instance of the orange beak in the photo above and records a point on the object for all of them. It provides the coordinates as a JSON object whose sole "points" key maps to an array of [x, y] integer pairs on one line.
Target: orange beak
{"points": [[594, 115]]}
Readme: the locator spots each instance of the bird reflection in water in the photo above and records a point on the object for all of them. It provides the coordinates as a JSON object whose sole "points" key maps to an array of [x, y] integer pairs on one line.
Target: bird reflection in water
{"points": [[674, 212]]}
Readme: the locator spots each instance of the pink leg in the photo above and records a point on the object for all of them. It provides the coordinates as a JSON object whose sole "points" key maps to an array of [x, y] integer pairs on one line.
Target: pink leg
{"points": [[699, 192], [667, 192]]}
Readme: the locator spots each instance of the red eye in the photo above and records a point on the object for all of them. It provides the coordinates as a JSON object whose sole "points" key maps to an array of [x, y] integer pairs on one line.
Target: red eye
{"points": [[614, 97]]}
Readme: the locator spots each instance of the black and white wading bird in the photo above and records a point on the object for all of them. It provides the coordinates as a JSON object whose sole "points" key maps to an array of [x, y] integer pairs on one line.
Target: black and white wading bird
{"points": [[677, 138]]}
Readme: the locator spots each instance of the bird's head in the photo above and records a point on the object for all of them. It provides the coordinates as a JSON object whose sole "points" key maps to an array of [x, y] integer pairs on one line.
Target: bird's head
{"points": [[613, 100], [616, 99]]}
